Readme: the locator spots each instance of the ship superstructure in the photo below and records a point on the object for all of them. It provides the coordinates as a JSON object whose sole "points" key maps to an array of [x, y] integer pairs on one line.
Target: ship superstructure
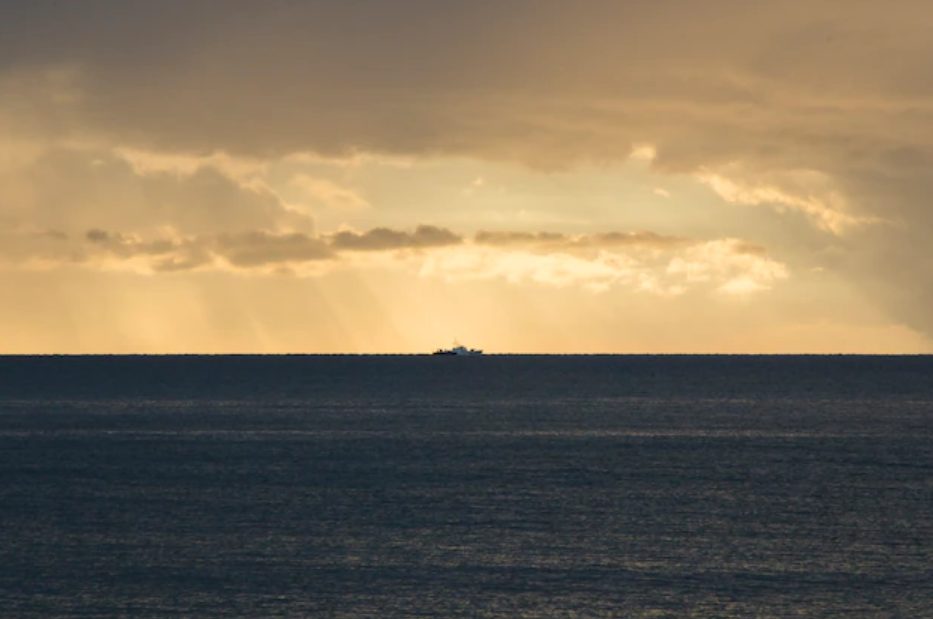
{"points": [[459, 351]]}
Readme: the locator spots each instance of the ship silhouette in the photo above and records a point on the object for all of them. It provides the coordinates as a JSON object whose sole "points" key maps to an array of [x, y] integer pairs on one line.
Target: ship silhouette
{"points": [[458, 351]]}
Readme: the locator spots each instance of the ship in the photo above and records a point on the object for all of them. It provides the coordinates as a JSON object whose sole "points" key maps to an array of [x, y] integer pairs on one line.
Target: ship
{"points": [[458, 351]]}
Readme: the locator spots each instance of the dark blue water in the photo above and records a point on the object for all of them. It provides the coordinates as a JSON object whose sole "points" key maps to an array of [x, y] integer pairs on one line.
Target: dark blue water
{"points": [[466, 487]]}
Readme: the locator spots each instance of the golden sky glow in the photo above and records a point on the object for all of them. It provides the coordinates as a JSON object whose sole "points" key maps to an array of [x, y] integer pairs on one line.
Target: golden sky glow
{"points": [[524, 176]]}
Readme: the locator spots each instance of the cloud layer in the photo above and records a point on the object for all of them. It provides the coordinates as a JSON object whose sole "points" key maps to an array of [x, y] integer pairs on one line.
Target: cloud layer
{"points": [[639, 261], [817, 110], [379, 239]]}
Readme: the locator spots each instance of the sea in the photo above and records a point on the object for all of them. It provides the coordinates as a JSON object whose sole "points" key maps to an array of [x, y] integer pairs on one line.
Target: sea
{"points": [[491, 486]]}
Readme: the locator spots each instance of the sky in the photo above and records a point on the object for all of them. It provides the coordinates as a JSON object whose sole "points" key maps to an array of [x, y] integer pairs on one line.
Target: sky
{"points": [[521, 175]]}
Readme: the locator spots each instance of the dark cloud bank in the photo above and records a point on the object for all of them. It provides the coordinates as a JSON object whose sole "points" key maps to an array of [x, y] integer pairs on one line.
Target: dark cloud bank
{"points": [[263, 248]]}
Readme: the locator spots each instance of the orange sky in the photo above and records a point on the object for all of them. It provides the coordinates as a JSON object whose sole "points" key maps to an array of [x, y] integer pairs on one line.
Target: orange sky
{"points": [[523, 176]]}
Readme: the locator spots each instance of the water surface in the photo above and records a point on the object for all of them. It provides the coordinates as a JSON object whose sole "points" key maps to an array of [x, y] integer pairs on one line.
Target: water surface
{"points": [[466, 487]]}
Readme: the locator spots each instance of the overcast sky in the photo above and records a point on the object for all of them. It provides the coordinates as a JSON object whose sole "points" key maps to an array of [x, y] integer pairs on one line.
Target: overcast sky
{"points": [[527, 176]]}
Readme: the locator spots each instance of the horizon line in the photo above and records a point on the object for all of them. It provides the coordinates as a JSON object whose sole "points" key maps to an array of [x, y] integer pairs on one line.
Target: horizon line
{"points": [[493, 354]]}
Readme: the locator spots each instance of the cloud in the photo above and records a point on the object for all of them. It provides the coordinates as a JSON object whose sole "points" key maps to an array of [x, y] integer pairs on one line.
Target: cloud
{"points": [[245, 250], [803, 107], [86, 204], [189, 259], [380, 239], [641, 261], [255, 249], [77, 188], [260, 248], [486, 237], [736, 267], [518, 267], [536, 81], [807, 191], [330, 194], [555, 240], [97, 248], [127, 246], [727, 266]]}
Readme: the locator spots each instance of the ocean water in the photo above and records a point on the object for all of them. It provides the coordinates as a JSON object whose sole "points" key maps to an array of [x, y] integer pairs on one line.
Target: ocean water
{"points": [[497, 486]]}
